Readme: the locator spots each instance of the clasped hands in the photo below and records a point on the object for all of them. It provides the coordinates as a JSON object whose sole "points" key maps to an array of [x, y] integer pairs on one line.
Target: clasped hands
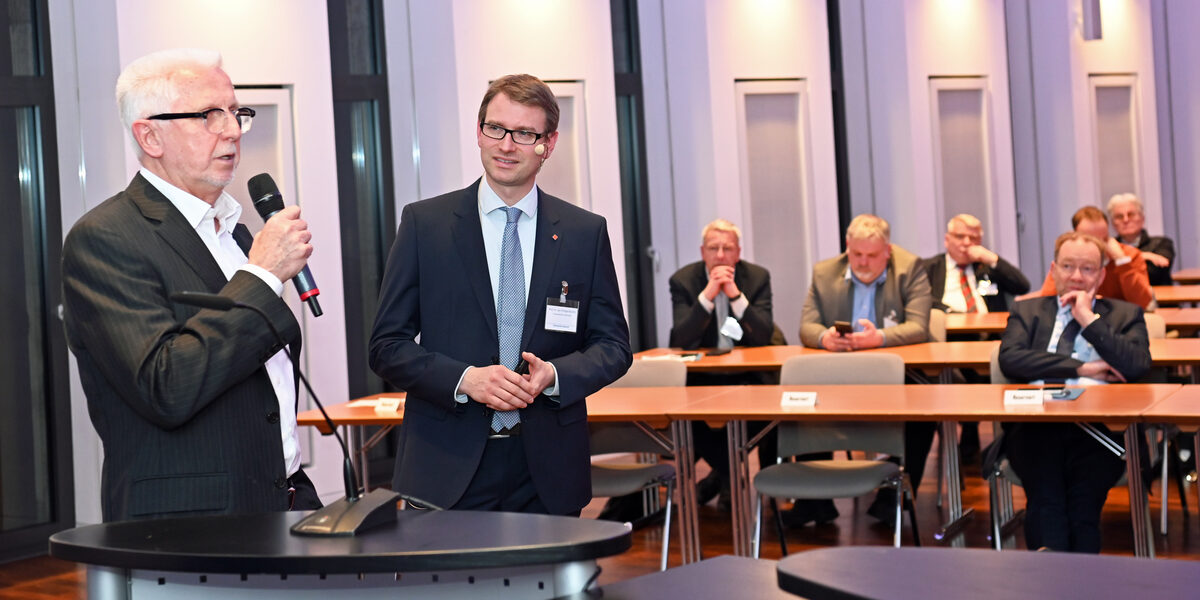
{"points": [[503, 389], [1080, 302], [720, 279], [869, 337]]}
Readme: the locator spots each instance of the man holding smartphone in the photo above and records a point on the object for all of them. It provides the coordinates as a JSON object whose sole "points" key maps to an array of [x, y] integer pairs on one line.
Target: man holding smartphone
{"points": [[874, 294]]}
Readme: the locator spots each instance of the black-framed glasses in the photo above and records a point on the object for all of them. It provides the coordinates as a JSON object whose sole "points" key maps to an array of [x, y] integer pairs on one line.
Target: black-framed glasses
{"points": [[519, 136], [215, 119]]}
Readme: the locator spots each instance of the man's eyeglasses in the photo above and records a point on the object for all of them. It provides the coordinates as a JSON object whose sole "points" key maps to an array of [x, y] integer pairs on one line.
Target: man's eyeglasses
{"points": [[497, 132], [215, 119]]}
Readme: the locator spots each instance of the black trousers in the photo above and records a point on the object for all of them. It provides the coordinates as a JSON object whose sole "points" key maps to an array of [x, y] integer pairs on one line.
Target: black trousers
{"points": [[1066, 475], [502, 481]]}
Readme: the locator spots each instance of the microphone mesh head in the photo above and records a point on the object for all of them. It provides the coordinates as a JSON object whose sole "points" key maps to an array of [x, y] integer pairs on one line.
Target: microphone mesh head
{"points": [[265, 195]]}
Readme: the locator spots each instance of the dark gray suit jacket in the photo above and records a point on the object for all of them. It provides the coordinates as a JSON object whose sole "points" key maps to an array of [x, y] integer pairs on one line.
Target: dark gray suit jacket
{"points": [[178, 395], [1119, 336], [436, 286], [694, 327]]}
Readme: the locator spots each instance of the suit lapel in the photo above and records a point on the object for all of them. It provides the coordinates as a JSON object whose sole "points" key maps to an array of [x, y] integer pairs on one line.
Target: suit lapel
{"points": [[844, 291], [468, 239], [546, 245], [176, 232], [1048, 313]]}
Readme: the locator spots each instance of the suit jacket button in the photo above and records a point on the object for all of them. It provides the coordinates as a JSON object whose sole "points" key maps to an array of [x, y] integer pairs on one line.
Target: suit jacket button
{"points": [[281, 482], [272, 417]]}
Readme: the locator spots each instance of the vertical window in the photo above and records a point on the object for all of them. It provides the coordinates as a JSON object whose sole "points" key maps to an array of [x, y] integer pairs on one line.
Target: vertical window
{"points": [[961, 148], [1118, 168], [35, 455], [777, 196]]}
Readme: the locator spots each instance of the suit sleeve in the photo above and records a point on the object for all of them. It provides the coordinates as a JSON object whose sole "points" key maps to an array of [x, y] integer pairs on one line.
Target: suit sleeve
{"points": [[605, 354], [917, 302], [1009, 278], [165, 367], [812, 324], [1020, 360], [689, 318], [1122, 342], [757, 321], [395, 354]]}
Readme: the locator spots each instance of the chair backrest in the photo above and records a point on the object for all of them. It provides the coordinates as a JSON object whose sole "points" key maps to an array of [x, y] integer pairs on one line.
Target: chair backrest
{"points": [[1156, 326], [653, 373], [861, 368], [937, 325], [996, 374], [625, 437]]}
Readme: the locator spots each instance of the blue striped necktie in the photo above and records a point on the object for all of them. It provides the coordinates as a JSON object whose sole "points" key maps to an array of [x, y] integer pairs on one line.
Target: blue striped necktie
{"points": [[510, 308]]}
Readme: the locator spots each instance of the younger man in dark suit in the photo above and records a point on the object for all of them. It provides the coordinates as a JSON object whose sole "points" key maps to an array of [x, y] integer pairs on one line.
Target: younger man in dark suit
{"points": [[514, 296], [192, 420], [1075, 338]]}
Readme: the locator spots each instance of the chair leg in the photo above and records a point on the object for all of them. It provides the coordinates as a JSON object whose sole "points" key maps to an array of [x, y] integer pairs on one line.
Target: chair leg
{"points": [[912, 512], [994, 511], [1162, 500], [897, 523], [779, 527], [667, 525], [756, 541]]}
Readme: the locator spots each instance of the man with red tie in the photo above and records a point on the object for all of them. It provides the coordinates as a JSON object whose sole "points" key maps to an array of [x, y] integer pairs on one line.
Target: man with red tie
{"points": [[968, 277]]}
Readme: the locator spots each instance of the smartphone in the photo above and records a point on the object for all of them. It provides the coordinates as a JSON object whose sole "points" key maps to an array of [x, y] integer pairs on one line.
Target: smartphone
{"points": [[843, 327]]}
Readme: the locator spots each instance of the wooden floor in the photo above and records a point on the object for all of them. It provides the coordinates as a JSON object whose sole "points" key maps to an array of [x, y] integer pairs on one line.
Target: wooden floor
{"points": [[48, 578]]}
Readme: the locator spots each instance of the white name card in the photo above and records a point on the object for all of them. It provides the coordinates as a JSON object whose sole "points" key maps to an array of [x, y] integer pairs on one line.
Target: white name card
{"points": [[798, 400], [388, 404], [1023, 397]]}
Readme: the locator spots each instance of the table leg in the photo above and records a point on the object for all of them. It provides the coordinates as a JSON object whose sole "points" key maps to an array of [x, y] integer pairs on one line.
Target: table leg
{"points": [[685, 486], [958, 517], [1143, 543], [739, 489], [358, 453]]}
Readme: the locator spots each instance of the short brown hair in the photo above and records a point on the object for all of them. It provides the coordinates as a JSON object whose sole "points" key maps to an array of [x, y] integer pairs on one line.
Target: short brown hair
{"points": [[1088, 213], [527, 90], [1072, 236]]}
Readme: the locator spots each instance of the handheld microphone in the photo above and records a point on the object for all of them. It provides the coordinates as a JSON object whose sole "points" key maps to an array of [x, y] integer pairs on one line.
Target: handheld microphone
{"points": [[356, 511], [268, 201]]}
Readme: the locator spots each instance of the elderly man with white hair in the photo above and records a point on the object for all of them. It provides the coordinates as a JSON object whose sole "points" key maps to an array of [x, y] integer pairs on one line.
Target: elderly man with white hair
{"points": [[196, 408], [1128, 216]]}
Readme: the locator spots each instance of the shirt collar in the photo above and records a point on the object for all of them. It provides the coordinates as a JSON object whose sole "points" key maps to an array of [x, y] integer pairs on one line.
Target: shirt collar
{"points": [[850, 276], [195, 211], [490, 201]]}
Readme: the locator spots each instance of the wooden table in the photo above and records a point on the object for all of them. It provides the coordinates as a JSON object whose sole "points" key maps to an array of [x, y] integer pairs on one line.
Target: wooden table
{"points": [[1183, 409], [1170, 295], [930, 356], [949, 403], [1186, 276], [647, 408]]}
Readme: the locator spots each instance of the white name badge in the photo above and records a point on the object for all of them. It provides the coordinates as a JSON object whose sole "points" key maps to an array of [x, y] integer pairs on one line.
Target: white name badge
{"points": [[798, 400], [562, 315]]}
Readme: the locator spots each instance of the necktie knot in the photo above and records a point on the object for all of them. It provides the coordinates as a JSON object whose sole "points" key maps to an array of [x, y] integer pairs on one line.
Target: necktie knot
{"points": [[512, 213]]}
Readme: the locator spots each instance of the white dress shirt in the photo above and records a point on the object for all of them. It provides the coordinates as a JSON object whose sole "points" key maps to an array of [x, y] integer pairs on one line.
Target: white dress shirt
{"points": [[214, 224], [953, 296]]}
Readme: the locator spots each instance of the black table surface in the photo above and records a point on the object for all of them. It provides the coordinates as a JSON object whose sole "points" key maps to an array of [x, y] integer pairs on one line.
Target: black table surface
{"points": [[902, 573], [720, 577], [417, 541]]}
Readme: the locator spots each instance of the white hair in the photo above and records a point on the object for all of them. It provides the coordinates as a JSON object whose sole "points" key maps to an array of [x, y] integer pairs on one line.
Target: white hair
{"points": [[1126, 197], [146, 87]]}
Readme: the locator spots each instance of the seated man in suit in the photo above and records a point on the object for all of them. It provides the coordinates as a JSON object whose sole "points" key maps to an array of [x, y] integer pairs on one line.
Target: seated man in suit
{"points": [[1129, 220], [710, 298], [968, 278], [881, 289], [1125, 276], [1076, 338]]}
